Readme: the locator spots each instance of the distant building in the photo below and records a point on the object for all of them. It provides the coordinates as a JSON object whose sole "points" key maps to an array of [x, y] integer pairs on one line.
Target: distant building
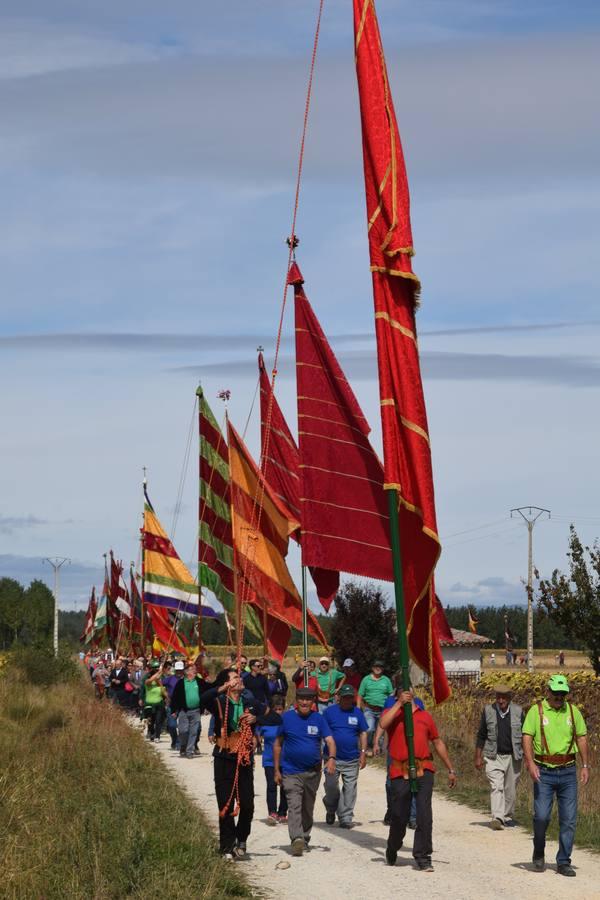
{"points": [[462, 657]]}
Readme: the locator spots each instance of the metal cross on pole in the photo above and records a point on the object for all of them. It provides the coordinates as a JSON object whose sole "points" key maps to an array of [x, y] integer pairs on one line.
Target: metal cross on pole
{"points": [[56, 562], [530, 515]]}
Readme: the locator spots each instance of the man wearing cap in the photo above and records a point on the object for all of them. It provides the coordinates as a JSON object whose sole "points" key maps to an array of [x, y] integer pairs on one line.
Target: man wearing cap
{"points": [[328, 680], [349, 730], [499, 744], [554, 732], [170, 682], [351, 675], [297, 764], [374, 690]]}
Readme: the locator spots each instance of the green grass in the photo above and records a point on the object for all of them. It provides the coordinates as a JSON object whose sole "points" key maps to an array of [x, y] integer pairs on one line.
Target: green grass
{"points": [[87, 810]]}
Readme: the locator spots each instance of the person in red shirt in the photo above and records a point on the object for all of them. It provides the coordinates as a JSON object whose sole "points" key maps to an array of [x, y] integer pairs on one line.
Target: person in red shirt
{"points": [[425, 735], [352, 676], [298, 676]]}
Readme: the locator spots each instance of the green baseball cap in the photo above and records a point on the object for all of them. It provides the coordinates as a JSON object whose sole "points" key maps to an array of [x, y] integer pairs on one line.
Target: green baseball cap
{"points": [[154, 664], [346, 691], [559, 684]]}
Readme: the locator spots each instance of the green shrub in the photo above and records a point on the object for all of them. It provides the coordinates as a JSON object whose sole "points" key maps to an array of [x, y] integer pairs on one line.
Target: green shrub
{"points": [[38, 665]]}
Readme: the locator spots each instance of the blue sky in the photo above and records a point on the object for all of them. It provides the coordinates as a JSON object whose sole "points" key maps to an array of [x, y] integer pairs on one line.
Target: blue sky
{"points": [[147, 157]]}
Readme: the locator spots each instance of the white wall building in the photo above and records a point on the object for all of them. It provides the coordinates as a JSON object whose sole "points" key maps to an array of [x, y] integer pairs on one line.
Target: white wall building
{"points": [[462, 657]]}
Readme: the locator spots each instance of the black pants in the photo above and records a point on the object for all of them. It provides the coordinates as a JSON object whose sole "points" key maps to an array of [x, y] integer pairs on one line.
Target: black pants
{"points": [[272, 806], [156, 717], [224, 769], [400, 810]]}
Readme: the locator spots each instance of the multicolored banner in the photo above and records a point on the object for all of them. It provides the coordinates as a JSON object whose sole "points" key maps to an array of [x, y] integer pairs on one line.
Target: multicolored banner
{"points": [[261, 531], [168, 582]]}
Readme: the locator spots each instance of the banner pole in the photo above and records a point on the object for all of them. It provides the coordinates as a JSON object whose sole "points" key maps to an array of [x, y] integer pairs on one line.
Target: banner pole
{"points": [[304, 623], [198, 401], [402, 636]]}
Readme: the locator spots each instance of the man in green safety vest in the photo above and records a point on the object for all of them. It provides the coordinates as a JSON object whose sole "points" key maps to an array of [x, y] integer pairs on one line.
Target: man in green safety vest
{"points": [[554, 732]]}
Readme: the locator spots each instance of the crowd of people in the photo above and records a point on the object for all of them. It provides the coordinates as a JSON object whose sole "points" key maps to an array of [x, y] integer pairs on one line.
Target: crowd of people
{"points": [[335, 719]]}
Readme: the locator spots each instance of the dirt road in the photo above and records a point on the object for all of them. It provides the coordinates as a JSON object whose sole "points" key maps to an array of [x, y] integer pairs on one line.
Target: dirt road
{"points": [[471, 861]]}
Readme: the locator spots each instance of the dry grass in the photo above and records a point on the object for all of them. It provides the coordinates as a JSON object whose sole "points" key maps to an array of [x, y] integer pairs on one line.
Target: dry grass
{"points": [[87, 811]]}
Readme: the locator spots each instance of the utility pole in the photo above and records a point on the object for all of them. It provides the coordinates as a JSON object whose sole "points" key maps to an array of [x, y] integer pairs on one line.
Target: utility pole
{"points": [[530, 515], [56, 562]]}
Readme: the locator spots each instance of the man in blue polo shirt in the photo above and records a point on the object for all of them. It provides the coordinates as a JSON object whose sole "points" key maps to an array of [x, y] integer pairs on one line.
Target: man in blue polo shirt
{"points": [[297, 764], [349, 729]]}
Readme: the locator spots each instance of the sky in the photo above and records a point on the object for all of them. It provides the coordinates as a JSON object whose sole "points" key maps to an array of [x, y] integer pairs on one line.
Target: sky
{"points": [[147, 158]]}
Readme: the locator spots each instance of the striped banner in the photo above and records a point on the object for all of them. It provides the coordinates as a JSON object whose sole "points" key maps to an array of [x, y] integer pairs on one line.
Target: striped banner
{"points": [[167, 580]]}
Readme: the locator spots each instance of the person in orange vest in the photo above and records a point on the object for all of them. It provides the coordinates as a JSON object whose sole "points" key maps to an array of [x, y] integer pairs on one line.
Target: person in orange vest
{"points": [[554, 733]]}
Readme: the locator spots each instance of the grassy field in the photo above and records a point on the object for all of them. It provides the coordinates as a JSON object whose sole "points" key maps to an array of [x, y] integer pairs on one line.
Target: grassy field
{"points": [[458, 720], [87, 811]]}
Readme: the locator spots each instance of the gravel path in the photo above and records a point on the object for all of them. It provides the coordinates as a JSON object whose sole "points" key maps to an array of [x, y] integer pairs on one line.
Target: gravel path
{"points": [[471, 861]]}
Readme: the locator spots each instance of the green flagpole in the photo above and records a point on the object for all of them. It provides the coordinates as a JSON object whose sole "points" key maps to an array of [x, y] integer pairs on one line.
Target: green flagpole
{"points": [[402, 636]]}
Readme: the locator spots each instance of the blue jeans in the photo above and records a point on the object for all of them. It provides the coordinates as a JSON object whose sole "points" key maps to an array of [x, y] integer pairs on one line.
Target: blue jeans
{"points": [[562, 782], [372, 717]]}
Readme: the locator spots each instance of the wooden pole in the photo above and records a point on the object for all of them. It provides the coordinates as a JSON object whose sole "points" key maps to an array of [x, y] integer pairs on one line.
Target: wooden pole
{"points": [[402, 636]]}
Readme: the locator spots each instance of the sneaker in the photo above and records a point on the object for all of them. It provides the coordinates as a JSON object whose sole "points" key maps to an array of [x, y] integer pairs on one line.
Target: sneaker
{"points": [[539, 863], [391, 856], [412, 824], [239, 851], [567, 870], [272, 819], [282, 820], [497, 825], [182, 753], [298, 846], [189, 755], [387, 819], [346, 824], [227, 855], [330, 818], [424, 865]]}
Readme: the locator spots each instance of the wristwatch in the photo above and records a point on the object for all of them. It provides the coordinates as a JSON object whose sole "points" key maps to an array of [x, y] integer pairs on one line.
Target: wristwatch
{"points": [[451, 772]]}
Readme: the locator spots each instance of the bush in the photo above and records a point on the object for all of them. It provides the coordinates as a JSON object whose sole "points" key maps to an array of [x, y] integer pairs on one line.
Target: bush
{"points": [[38, 665]]}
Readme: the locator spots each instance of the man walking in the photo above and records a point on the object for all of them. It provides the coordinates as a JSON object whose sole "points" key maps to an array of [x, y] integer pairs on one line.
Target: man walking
{"points": [[186, 704], [499, 746], [425, 733], [554, 732], [234, 714], [297, 764], [328, 681], [349, 730], [374, 690]]}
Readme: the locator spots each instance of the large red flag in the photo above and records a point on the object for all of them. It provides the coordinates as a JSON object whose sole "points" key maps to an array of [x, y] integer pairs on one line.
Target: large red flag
{"points": [[280, 460], [345, 519], [406, 446]]}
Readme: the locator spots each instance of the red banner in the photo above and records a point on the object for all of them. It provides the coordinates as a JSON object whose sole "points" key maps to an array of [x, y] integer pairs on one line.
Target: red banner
{"points": [[406, 445]]}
